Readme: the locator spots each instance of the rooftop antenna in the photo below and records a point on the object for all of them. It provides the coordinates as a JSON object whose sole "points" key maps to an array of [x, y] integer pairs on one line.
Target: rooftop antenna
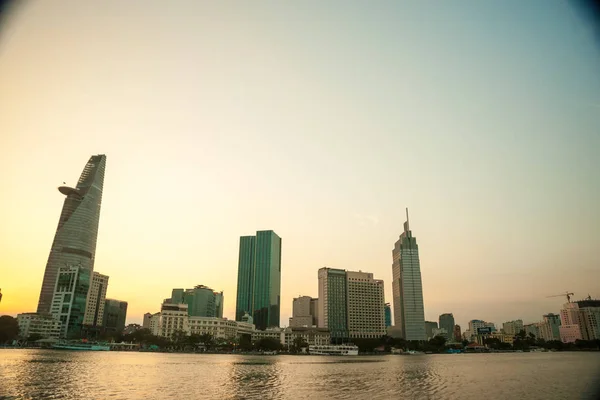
{"points": [[407, 224]]}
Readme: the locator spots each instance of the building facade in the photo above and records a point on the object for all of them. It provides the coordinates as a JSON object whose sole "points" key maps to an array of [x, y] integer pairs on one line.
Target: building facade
{"points": [[69, 299], [550, 327], [333, 309], [259, 279], [457, 333], [202, 301], [429, 327], [512, 327], [46, 326], [407, 287], [94, 308], [365, 304], [387, 311], [580, 320], [216, 327], [304, 312], [75, 238], [447, 323], [115, 314]]}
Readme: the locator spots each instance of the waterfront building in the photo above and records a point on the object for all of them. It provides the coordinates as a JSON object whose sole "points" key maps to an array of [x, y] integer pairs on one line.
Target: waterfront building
{"points": [[457, 333], [407, 287], [202, 301], [154, 323], [365, 304], [131, 328], [94, 309], [550, 327], [146, 322], [532, 329], [475, 325], [75, 238], [440, 332], [172, 317], [69, 298], [447, 323], [45, 325], [304, 312], [512, 327], [287, 336], [429, 327], [115, 313], [387, 311], [216, 327], [580, 320], [333, 311], [259, 279]]}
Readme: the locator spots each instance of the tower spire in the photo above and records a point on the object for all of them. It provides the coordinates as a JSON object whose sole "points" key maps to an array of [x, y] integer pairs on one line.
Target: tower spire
{"points": [[407, 223]]}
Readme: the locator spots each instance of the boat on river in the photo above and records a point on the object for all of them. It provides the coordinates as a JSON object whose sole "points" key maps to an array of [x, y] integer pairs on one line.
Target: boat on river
{"points": [[333, 350], [81, 346]]}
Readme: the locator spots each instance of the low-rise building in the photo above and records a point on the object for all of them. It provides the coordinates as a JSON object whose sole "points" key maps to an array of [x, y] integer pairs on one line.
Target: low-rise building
{"points": [[288, 336], [440, 332], [216, 327], [532, 329], [45, 325]]}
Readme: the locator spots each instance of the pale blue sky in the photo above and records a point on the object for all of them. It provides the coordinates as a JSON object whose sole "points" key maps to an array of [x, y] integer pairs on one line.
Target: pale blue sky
{"points": [[321, 121]]}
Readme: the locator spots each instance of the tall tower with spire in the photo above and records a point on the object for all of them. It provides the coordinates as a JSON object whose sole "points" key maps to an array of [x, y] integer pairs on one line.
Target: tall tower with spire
{"points": [[407, 288], [75, 239]]}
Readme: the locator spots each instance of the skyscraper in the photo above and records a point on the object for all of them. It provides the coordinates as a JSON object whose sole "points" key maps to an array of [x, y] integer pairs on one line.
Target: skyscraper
{"points": [[259, 279], [351, 304], [407, 289], [447, 323], [333, 308], [75, 239], [202, 301]]}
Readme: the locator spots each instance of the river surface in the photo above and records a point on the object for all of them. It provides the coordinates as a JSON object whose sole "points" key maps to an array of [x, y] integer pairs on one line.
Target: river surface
{"points": [[54, 374]]}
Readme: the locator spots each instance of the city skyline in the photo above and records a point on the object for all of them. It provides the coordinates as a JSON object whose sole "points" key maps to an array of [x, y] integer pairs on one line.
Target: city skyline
{"points": [[322, 129]]}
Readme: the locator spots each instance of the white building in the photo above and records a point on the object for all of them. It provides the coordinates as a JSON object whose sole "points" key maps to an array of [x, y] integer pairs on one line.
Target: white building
{"points": [[407, 287], [287, 336], [173, 317], [216, 327], [45, 325], [439, 332], [512, 327], [94, 308], [366, 316]]}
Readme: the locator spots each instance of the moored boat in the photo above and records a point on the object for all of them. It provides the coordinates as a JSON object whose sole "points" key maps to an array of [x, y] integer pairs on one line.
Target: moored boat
{"points": [[333, 350], [81, 346]]}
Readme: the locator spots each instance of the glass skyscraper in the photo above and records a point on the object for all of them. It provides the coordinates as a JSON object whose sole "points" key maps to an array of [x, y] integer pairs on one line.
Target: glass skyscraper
{"points": [[70, 298], [407, 288], [75, 239], [259, 279]]}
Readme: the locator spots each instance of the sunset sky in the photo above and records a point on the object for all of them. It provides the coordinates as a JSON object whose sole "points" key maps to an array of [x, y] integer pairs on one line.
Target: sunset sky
{"points": [[321, 121]]}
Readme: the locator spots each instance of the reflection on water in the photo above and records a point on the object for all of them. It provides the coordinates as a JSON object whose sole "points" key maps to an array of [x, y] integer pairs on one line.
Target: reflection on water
{"points": [[45, 374]]}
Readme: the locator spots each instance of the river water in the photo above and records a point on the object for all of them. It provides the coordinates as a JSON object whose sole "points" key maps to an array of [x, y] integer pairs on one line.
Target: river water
{"points": [[53, 374]]}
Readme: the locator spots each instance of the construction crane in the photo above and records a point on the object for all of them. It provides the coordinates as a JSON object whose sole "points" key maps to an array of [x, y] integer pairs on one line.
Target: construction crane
{"points": [[568, 294]]}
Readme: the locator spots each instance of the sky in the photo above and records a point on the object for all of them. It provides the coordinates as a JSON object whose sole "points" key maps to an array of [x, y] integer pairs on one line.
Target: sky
{"points": [[322, 121]]}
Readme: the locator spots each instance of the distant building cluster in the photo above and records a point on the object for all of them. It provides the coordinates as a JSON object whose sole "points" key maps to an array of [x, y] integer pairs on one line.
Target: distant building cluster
{"points": [[350, 304]]}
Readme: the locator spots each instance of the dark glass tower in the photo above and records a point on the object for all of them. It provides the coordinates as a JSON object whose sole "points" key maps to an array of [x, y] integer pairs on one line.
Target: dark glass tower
{"points": [[259, 279], [75, 239]]}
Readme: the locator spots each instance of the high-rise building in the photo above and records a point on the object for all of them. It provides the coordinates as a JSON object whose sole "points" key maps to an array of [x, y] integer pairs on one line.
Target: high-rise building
{"points": [[580, 320], [550, 327], [94, 309], [70, 297], [115, 313], [457, 333], [202, 301], [512, 327], [387, 311], [366, 319], [146, 322], [447, 323], [351, 304], [304, 312], [407, 288], [75, 239], [333, 308], [259, 279], [430, 326]]}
